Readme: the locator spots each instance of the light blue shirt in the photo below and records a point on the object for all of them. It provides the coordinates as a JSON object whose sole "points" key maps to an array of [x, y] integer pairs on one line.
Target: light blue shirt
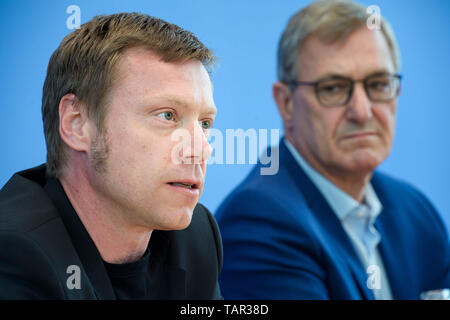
{"points": [[358, 220]]}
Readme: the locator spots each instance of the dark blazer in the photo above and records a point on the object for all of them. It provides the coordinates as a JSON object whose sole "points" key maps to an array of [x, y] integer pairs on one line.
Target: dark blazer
{"points": [[282, 240], [38, 243]]}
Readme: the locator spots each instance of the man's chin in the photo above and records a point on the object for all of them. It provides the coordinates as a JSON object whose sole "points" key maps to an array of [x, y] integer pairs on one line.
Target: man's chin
{"points": [[365, 161], [180, 219]]}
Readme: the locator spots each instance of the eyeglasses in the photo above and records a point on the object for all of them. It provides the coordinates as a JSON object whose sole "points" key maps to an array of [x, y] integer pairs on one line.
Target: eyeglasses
{"points": [[337, 90]]}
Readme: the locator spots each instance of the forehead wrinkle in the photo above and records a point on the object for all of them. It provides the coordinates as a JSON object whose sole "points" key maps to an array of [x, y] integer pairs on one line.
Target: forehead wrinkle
{"points": [[359, 45]]}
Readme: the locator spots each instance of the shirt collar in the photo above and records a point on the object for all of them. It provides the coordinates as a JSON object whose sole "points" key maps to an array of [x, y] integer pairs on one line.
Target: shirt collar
{"points": [[340, 202]]}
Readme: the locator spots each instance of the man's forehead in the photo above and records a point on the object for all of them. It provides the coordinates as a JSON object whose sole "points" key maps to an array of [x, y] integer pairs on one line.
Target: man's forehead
{"points": [[363, 52], [138, 52], [142, 61], [143, 70]]}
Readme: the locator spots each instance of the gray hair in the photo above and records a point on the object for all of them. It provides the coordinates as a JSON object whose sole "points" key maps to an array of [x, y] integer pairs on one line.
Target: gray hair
{"points": [[332, 21]]}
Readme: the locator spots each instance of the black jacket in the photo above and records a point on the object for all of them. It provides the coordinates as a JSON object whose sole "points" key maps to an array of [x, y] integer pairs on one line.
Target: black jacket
{"points": [[38, 244]]}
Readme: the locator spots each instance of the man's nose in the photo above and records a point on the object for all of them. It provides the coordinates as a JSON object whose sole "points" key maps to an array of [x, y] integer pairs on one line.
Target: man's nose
{"points": [[359, 107], [197, 149]]}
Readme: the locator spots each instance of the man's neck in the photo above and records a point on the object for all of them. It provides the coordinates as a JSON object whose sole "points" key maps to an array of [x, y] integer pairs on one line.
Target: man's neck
{"points": [[354, 186], [117, 240]]}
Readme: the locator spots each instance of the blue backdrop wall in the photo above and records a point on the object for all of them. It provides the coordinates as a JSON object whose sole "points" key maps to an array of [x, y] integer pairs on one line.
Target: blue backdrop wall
{"points": [[244, 35]]}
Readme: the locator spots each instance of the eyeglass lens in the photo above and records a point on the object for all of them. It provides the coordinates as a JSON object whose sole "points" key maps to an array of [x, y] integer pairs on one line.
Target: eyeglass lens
{"points": [[337, 91]]}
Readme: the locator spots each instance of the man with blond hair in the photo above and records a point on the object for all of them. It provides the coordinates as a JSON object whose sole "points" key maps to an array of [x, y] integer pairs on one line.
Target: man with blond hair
{"points": [[329, 225], [114, 212]]}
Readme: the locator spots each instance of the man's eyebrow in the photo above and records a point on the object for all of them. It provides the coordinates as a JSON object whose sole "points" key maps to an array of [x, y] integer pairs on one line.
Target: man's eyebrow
{"points": [[212, 110], [179, 102], [331, 75], [379, 72]]}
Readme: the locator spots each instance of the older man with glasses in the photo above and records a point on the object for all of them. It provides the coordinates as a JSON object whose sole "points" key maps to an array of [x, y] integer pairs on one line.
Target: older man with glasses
{"points": [[328, 225]]}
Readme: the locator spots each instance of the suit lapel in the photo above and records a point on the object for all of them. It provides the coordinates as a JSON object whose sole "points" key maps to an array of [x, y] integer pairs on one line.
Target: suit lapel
{"points": [[340, 243], [96, 272], [391, 247], [338, 239], [82, 242]]}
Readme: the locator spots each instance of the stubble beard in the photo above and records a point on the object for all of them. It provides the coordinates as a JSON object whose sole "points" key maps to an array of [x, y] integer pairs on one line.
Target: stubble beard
{"points": [[100, 153]]}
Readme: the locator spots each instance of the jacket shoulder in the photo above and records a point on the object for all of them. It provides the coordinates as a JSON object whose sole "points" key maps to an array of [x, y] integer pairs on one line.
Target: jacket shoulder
{"points": [[24, 205], [35, 248], [26, 272]]}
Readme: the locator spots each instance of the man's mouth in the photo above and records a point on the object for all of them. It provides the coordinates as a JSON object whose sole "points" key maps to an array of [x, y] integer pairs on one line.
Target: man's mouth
{"points": [[184, 185], [359, 135], [190, 184]]}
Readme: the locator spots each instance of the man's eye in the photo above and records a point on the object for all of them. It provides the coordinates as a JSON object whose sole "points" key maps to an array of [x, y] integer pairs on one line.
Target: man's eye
{"points": [[206, 124], [166, 115], [331, 88], [379, 85]]}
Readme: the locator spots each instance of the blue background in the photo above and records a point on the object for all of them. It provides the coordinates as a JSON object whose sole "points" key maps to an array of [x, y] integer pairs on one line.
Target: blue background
{"points": [[244, 35]]}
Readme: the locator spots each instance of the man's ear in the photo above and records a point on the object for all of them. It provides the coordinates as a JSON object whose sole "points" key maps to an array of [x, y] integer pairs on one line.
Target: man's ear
{"points": [[74, 127], [283, 97]]}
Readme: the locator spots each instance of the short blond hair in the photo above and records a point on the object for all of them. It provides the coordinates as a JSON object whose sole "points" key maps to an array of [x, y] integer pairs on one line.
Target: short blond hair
{"points": [[85, 62], [330, 20]]}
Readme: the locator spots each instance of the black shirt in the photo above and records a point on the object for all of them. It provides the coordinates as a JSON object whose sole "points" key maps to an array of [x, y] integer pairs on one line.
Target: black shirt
{"points": [[129, 280]]}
